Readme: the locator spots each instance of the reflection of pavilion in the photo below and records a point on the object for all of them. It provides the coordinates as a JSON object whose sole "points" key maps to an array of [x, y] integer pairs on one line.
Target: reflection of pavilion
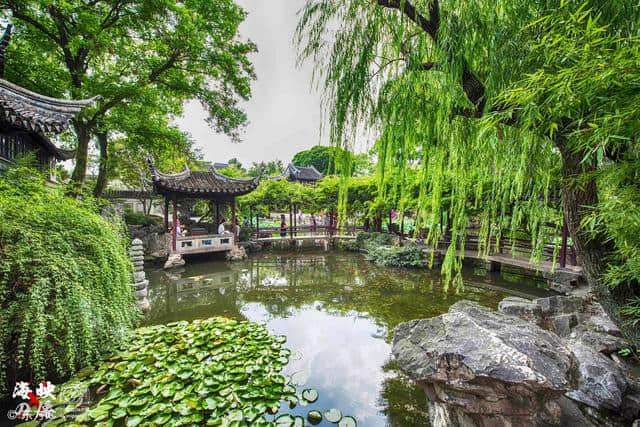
{"points": [[199, 296]]}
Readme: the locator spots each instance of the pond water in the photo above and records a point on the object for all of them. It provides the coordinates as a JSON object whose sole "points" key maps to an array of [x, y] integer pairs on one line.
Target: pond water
{"points": [[337, 311]]}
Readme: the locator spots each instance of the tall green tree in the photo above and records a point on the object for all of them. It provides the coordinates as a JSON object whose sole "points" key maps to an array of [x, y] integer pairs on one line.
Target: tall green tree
{"points": [[271, 168], [499, 102], [132, 52], [320, 157]]}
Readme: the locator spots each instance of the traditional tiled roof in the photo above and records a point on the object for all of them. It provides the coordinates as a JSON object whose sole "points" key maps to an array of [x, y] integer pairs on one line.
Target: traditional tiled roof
{"points": [[201, 184], [218, 166], [301, 173], [33, 112]]}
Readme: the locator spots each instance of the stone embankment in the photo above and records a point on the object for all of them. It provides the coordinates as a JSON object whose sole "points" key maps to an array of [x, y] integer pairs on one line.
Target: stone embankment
{"points": [[548, 362]]}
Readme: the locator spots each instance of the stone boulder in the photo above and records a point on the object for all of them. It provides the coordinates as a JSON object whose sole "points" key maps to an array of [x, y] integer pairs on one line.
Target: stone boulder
{"points": [[156, 242], [482, 368], [237, 253], [480, 362]]}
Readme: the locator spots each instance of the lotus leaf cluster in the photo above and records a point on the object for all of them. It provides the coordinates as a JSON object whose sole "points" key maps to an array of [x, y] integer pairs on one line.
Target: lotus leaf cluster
{"points": [[217, 372]]}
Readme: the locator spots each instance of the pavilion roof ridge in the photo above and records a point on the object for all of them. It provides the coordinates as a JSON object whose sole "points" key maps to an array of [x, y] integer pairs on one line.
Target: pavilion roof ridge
{"points": [[225, 178]]}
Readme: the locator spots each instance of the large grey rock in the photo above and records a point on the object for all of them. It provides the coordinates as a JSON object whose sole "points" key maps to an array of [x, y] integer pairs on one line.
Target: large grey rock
{"points": [[483, 362], [564, 280], [237, 253], [174, 260], [155, 241], [486, 368], [602, 383], [525, 309]]}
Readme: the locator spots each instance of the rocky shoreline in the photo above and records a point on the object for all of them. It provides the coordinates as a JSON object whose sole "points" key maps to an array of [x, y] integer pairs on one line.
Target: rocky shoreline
{"points": [[545, 362]]}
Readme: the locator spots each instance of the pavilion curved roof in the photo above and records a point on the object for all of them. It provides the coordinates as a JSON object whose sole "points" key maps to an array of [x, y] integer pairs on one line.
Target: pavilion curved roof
{"points": [[201, 184], [302, 173], [37, 113]]}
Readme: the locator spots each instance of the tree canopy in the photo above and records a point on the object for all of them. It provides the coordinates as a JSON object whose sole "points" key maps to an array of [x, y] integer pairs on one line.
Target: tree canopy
{"points": [[136, 55], [499, 104]]}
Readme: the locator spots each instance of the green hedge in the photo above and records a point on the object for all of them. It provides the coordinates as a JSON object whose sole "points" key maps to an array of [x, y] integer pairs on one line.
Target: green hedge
{"points": [[65, 293]]}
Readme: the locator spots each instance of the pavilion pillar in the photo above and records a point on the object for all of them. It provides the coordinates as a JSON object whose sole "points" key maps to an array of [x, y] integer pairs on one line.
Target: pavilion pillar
{"points": [[217, 216], [295, 219], [166, 214], [174, 237], [290, 222], [257, 224], [234, 219]]}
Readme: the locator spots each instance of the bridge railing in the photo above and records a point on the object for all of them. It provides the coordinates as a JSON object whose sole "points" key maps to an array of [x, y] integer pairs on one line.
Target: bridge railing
{"points": [[304, 230]]}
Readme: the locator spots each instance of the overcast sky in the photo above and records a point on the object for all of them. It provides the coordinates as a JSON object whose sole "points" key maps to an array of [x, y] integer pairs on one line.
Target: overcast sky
{"points": [[284, 112]]}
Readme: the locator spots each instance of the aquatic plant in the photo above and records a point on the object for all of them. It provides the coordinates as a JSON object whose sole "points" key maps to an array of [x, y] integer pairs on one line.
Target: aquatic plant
{"points": [[65, 275], [217, 371]]}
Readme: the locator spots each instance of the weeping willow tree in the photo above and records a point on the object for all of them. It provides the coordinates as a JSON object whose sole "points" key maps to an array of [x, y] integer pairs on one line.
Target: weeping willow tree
{"points": [[501, 105]]}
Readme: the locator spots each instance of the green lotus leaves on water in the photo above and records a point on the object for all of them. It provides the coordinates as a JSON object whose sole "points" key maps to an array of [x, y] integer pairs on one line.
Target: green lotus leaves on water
{"points": [[314, 417], [347, 422], [219, 370], [310, 395], [292, 400], [285, 420], [216, 372], [333, 415]]}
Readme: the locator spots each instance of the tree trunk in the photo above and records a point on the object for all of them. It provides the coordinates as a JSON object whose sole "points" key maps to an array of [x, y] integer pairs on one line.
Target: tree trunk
{"points": [[592, 252], [101, 182], [82, 151]]}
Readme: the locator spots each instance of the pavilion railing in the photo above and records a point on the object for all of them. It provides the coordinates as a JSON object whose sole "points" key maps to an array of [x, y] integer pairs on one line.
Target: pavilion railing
{"points": [[204, 243]]}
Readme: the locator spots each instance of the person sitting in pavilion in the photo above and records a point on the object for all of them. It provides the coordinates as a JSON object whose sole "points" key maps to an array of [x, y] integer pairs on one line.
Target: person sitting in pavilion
{"points": [[221, 229], [283, 226]]}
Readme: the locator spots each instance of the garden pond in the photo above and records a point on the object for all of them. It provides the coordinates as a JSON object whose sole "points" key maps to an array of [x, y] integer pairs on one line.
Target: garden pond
{"points": [[337, 311]]}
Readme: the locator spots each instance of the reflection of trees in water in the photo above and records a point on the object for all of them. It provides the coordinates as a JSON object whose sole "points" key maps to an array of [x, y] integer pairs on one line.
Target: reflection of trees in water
{"points": [[283, 283], [401, 400], [345, 284]]}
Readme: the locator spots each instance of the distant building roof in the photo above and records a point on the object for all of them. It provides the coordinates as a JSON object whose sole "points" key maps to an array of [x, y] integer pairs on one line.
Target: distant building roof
{"points": [[201, 184], [218, 166], [301, 173]]}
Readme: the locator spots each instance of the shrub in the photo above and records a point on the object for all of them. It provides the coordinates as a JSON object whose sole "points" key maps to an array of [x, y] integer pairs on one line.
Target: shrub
{"points": [[65, 294], [409, 255], [138, 218], [366, 240]]}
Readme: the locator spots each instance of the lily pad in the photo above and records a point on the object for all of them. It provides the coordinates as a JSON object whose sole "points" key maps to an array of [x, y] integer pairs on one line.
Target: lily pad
{"points": [[310, 395], [347, 422], [333, 415], [314, 417]]}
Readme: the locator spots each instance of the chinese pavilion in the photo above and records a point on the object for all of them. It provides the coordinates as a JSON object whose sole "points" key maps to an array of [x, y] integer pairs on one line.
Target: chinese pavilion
{"points": [[26, 117], [205, 185], [305, 175]]}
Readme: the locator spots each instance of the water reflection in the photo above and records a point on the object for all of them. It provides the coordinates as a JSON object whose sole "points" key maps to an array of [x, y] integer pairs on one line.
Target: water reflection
{"points": [[337, 310]]}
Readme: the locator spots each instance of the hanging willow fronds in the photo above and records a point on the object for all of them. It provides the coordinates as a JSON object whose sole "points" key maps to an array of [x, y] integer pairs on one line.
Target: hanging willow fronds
{"points": [[429, 76]]}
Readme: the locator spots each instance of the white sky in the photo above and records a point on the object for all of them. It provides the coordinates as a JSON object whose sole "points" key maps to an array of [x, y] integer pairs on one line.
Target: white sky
{"points": [[284, 111]]}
